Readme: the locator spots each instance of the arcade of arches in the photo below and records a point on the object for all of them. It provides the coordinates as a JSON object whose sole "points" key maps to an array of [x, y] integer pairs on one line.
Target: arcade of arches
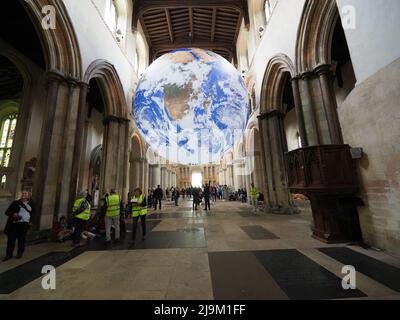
{"points": [[321, 144]]}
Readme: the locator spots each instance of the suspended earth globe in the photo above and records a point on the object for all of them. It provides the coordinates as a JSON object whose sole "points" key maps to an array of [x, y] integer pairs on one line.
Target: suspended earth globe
{"points": [[191, 106]]}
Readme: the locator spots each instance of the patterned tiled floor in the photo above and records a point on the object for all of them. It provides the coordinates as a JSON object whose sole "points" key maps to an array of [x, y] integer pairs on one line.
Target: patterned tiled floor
{"points": [[228, 253]]}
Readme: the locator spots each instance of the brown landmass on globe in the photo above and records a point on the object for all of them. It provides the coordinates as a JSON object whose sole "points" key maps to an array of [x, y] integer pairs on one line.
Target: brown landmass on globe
{"points": [[176, 99], [185, 57]]}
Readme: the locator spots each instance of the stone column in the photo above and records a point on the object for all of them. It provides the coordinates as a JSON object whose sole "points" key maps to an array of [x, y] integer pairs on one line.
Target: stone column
{"points": [[150, 181], [273, 148], [299, 111], [138, 172], [224, 175], [230, 180], [258, 174], [125, 140], [309, 111], [131, 174], [164, 178], [80, 143], [146, 175], [236, 176], [67, 150], [266, 158], [325, 75], [110, 155], [53, 179], [243, 175], [156, 176]]}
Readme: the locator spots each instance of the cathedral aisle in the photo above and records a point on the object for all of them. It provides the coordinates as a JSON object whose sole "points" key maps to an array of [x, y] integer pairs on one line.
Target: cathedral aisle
{"points": [[228, 253]]}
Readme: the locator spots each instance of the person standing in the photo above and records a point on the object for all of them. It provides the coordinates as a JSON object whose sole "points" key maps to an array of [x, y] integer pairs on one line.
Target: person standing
{"points": [[207, 195], [214, 194], [139, 210], [253, 197], [113, 212], [81, 214], [176, 196], [196, 195], [158, 195], [20, 215]]}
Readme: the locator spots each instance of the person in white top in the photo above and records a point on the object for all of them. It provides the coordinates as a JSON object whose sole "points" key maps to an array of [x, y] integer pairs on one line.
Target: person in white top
{"points": [[20, 216]]}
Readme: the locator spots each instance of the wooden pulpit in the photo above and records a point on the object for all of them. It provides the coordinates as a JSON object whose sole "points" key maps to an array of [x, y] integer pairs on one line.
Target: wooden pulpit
{"points": [[326, 174]]}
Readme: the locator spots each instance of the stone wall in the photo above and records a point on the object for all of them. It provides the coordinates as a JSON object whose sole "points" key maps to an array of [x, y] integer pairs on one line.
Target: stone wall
{"points": [[370, 118]]}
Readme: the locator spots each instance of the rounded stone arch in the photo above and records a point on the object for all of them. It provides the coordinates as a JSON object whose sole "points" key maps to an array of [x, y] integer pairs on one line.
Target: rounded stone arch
{"points": [[60, 45], [111, 87], [151, 156], [138, 144], [239, 151], [274, 82], [229, 157], [315, 33], [250, 139], [27, 72]]}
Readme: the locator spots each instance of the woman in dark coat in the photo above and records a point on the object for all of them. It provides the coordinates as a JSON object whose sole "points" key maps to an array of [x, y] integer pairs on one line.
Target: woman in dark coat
{"points": [[20, 215]]}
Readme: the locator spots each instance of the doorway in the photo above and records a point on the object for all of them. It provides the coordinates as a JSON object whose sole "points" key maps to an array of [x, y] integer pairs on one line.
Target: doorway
{"points": [[197, 179]]}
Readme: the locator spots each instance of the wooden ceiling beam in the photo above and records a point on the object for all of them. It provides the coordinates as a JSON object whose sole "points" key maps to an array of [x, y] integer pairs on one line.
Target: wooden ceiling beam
{"points": [[171, 33], [181, 27], [191, 36], [142, 6], [208, 24], [155, 28], [181, 23]]}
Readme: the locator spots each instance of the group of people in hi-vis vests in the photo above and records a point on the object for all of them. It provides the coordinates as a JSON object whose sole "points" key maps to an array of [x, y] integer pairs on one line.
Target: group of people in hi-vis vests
{"points": [[111, 204]]}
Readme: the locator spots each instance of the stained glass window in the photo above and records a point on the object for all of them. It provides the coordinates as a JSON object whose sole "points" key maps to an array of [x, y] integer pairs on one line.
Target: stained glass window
{"points": [[7, 135]]}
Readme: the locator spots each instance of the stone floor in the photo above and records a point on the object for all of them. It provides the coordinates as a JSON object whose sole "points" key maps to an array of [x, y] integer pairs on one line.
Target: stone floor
{"points": [[229, 253]]}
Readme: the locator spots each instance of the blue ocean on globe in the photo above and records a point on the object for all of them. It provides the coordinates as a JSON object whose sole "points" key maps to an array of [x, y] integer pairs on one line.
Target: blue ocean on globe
{"points": [[191, 106]]}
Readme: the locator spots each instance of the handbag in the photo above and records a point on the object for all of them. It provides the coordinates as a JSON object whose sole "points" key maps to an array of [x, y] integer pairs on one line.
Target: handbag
{"points": [[7, 227]]}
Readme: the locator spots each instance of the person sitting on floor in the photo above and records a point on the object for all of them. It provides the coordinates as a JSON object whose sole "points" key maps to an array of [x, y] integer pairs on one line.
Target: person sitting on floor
{"points": [[86, 235], [61, 232]]}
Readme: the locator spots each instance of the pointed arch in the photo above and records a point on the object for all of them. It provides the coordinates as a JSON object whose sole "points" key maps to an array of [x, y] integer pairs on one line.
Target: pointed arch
{"points": [[314, 37], [111, 87], [138, 142], [274, 80], [61, 48]]}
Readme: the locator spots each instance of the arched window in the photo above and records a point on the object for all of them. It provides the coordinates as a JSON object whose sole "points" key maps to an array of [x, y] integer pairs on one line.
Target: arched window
{"points": [[267, 10], [111, 16], [140, 54], [7, 133], [269, 6]]}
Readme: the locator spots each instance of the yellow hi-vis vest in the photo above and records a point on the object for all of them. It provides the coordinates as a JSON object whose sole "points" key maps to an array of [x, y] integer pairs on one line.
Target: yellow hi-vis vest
{"points": [[85, 215], [137, 209], [253, 192], [113, 205]]}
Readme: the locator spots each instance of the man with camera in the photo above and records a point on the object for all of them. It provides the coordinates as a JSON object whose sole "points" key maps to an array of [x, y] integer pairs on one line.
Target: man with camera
{"points": [[20, 215]]}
